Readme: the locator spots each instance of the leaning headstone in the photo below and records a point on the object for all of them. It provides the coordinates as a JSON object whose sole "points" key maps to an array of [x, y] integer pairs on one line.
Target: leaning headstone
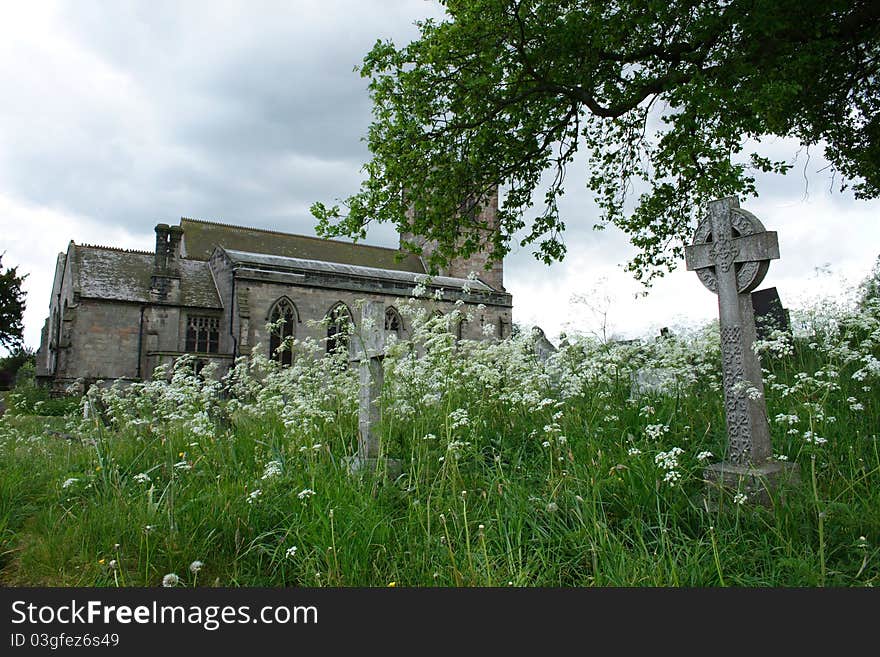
{"points": [[769, 314], [731, 255], [367, 351]]}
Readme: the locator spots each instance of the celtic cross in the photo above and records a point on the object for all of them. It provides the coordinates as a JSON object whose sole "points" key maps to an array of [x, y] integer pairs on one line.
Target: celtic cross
{"points": [[731, 254]]}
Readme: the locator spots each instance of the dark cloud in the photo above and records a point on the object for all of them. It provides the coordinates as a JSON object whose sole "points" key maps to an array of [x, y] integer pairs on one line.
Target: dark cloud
{"points": [[245, 112]]}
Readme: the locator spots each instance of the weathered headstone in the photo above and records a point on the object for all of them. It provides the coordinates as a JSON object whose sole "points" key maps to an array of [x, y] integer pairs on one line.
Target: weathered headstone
{"points": [[769, 313], [368, 350], [731, 255], [542, 346]]}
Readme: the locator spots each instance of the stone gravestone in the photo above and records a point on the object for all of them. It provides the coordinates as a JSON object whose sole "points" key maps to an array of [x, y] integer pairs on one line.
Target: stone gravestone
{"points": [[769, 313], [731, 255], [542, 346], [368, 350]]}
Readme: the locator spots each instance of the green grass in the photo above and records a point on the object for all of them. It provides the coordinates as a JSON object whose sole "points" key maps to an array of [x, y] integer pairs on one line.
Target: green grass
{"points": [[513, 473]]}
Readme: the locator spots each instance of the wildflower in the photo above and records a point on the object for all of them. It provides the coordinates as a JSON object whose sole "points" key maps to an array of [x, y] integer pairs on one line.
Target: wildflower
{"points": [[195, 566], [272, 469], [291, 551], [740, 498], [811, 437], [780, 457], [149, 529], [305, 493], [862, 543], [182, 465], [458, 418], [113, 564], [655, 431], [789, 419], [142, 478], [69, 482], [253, 495], [170, 580], [552, 506], [392, 584], [633, 451], [703, 456]]}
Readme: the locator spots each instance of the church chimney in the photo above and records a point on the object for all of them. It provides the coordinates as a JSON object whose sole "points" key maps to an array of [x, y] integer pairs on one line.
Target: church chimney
{"points": [[165, 281], [161, 257]]}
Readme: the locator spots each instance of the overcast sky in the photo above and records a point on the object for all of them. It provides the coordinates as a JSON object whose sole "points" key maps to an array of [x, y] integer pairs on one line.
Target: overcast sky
{"points": [[115, 116]]}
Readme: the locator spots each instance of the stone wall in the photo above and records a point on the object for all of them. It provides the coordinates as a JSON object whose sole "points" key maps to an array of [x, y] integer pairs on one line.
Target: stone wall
{"points": [[314, 303], [104, 341]]}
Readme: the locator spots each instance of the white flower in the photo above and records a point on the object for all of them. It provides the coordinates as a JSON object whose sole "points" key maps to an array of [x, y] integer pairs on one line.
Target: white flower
{"points": [[142, 478], [703, 456], [253, 495], [113, 564], [272, 469], [305, 493], [69, 482], [633, 451], [552, 506], [740, 498], [170, 580], [458, 418], [811, 437], [291, 551], [182, 465], [655, 431], [195, 566]]}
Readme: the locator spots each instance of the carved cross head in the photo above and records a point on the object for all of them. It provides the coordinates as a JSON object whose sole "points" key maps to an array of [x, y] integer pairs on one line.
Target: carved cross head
{"points": [[731, 237]]}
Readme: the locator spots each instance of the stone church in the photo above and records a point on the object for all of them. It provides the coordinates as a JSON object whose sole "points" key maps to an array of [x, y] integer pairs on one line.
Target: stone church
{"points": [[210, 289]]}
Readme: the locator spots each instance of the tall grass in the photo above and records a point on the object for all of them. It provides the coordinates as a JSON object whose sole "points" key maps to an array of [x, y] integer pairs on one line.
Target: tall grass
{"points": [[515, 471]]}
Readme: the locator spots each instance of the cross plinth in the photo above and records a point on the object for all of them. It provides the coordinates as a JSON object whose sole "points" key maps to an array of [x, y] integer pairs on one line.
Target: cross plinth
{"points": [[731, 255], [367, 351]]}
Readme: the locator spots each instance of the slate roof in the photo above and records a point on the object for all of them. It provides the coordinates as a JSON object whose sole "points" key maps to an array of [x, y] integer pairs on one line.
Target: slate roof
{"points": [[102, 272], [283, 263], [201, 237]]}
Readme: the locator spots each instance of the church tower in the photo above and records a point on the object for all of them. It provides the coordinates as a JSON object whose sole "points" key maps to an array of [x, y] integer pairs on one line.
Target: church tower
{"points": [[476, 263]]}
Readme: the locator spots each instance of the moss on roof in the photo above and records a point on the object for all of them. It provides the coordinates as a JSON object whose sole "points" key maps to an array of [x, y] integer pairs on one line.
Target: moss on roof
{"points": [[201, 237], [120, 275]]}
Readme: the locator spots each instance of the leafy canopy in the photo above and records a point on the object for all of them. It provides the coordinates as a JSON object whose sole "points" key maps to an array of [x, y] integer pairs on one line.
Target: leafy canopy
{"points": [[12, 306], [661, 95]]}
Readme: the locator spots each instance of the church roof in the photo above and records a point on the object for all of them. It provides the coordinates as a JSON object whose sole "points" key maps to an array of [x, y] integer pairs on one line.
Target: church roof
{"points": [[103, 272], [200, 238], [283, 263]]}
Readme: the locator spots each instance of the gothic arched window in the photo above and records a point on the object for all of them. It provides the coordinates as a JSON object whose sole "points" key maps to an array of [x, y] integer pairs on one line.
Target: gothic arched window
{"points": [[339, 325], [393, 322], [283, 318]]}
